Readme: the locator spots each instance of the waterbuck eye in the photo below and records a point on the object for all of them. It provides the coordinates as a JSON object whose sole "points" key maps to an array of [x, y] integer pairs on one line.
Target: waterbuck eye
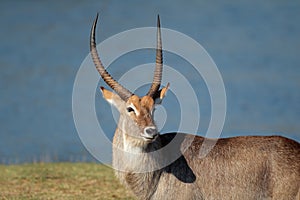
{"points": [[129, 109]]}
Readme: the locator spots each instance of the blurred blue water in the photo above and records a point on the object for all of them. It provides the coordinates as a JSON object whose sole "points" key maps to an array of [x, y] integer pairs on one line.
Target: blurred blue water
{"points": [[255, 45]]}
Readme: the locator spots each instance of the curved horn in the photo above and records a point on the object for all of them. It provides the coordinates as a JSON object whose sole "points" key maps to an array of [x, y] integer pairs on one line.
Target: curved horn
{"points": [[159, 64], [120, 90]]}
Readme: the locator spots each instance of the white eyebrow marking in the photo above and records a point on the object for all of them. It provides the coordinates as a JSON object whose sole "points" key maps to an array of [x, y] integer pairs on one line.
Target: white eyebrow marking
{"points": [[134, 108]]}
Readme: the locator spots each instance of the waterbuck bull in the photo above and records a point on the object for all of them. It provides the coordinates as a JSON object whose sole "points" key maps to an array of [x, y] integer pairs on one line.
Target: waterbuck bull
{"points": [[169, 166]]}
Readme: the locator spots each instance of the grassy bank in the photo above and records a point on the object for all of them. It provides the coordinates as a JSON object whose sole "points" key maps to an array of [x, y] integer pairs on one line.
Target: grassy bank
{"points": [[60, 181]]}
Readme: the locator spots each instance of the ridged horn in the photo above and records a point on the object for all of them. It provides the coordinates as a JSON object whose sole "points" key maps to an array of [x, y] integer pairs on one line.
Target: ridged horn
{"points": [[118, 88], [159, 64]]}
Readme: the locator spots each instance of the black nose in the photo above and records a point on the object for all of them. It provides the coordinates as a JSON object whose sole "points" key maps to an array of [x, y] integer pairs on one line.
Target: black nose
{"points": [[150, 132]]}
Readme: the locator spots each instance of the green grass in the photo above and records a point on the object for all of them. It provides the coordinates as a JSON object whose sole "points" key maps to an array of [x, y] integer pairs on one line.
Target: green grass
{"points": [[60, 181]]}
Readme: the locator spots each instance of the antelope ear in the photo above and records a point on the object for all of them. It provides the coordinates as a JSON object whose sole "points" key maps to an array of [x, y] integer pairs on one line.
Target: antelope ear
{"points": [[112, 98], [162, 93]]}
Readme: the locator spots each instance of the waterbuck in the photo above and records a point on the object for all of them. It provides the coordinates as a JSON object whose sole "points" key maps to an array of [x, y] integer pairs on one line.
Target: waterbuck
{"points": [[169, 166]]}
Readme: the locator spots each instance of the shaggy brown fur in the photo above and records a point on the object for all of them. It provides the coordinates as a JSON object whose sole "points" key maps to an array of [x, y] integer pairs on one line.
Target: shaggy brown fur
{"points": [[237, 168]]}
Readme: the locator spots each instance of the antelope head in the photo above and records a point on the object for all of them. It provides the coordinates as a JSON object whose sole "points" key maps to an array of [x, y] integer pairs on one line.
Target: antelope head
{"points": [[136, 113]]}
